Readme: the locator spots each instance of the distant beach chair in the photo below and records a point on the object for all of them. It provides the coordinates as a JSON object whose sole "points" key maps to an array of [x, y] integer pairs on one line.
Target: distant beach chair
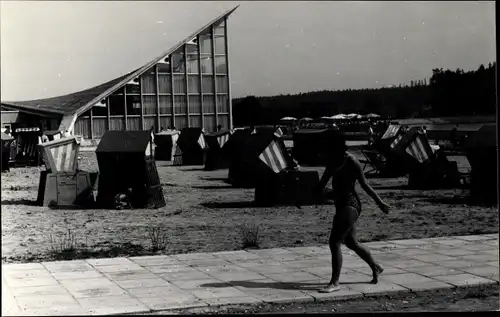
{"points": [[375, 161]]}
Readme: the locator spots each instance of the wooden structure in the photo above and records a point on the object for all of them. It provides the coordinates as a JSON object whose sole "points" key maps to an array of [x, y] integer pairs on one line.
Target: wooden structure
{"points": [[308, 145], [127, 166], [27, 140], [192, 144], [262, 155], [482, 153], [66, 189], [7, 141], [166, 144], [60, 155], [216, 158]]}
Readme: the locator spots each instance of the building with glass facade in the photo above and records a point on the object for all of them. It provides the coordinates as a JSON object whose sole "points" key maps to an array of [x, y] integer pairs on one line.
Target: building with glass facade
{"points": [[188, 86]]}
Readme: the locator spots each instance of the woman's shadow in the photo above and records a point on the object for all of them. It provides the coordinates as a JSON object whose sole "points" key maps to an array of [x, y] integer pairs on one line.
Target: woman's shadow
{"points": [[276, 285]]}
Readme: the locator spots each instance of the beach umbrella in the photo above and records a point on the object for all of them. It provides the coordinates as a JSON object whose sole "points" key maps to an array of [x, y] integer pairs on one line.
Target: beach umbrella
{"points": [[338, 116], [306, 119], [372, 115], [288, 119]]}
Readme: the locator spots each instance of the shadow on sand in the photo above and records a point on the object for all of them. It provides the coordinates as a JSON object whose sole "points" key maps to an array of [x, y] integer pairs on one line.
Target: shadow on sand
{"points": [[25, 202]]}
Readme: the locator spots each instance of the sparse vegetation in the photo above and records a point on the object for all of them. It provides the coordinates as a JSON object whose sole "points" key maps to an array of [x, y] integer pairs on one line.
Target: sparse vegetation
{"points": [[250, 235], [159, 238], [68, 243]]}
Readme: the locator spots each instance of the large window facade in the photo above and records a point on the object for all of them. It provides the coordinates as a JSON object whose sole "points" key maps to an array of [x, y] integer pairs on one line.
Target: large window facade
{"points": [[189, 88]]}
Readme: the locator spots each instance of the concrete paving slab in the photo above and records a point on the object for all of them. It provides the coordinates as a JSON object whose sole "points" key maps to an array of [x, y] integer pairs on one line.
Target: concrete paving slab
{"points": [[480, 257], [258, 262], [191, 275], [426, 286], [130, 275], [433, 258], [207, 262], [200, 284], [354, 278], [377, 289], [219, 269], [213, 293], [30, 281], [236, 255], [343, 293], [237, 276], [266, 253], [310, 251], [476, 247], [464, 279], [283, 296], [107, 305], [492, 263], [486, 271], [22, 266], [274, 269], [39, 290], [24, 274], [407, 278], [322, 271], [175, 300], [409, 242], [457, 264], [57, 311], [118, 267], [92, 287], [433, 270], [67, 266], [165, 268], [9, 303], [232, 300], [387, 270], [77, 275], [292, 277], [413, 252], [142, 283], [152, 261], [193, 256], [494, 252], [109, 261], [455, 252], [473, 238], [61, 300], [152, 291], [404, 264]]}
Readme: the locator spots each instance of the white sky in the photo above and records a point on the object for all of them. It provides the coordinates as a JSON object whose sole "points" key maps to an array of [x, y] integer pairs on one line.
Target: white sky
{"points": [[54, 48]]}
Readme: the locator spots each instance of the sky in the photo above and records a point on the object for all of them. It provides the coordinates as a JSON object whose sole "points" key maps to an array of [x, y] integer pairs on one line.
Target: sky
{"points": [[54, 48]]}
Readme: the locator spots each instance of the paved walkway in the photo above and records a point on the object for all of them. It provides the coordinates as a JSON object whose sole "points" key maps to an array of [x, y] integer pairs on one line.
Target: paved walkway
{"points": [[155, 283]]}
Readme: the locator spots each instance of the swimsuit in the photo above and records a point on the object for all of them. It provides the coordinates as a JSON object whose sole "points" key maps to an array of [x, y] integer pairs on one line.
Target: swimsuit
{"points": [[344, 196]]}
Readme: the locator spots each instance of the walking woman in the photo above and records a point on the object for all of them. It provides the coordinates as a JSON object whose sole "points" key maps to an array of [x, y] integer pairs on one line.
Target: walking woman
{"points": [[345, 170]]}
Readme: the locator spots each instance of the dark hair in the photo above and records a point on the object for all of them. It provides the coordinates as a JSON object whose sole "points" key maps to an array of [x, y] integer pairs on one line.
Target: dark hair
{"points": [[335, 143]]}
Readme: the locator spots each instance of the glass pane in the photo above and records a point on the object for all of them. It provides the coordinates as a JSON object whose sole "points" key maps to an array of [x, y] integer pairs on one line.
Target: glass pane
{"points": [[193, 83], [179, 84], [150, 123], [100, 111], [192, 64], [163, 68], [222, 104], [208, 104], [165, 105], [133, 89], [148, 83], [178, 62], [224, 121], [220, 45], [207, 84], [195, 121], [220, 65], [180, 105], [194, 104], [221, 84], [165, 122], [220, 29], [206, 44], [192, 48], [180, 122], [117, 105], [209, 124], [149, 104], [206, 64], [164, 84], [133, 105]]}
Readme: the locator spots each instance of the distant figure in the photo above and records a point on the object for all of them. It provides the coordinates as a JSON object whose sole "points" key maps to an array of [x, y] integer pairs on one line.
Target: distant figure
{"points": [[454, 135], [45, 138], [7, 131], [219, 127], [370, 135], [161, 129], [424, 130]]}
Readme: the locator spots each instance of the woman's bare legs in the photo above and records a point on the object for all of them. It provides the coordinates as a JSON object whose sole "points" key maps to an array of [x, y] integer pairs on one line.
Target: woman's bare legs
{"points": [[351, 241]]}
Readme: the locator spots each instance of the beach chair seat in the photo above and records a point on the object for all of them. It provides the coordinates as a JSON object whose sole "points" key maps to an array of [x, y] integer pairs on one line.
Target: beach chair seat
{"points": [[375, 161]]}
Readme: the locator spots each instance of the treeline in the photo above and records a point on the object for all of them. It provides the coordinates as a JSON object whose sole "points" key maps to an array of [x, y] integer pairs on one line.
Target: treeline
{"points": [[448, 93]]}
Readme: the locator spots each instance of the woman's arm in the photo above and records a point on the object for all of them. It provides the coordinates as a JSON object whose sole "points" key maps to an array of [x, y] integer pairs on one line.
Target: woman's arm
{"points": [[367, 188]]}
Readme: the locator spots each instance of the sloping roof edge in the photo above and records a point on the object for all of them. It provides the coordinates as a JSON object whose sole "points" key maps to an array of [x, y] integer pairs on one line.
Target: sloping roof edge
{"points": [[125, 79], [144, 68]]}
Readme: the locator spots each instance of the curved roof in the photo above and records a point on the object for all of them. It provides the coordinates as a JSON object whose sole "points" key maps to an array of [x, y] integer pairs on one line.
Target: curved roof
{"points": [[81, 101]]}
